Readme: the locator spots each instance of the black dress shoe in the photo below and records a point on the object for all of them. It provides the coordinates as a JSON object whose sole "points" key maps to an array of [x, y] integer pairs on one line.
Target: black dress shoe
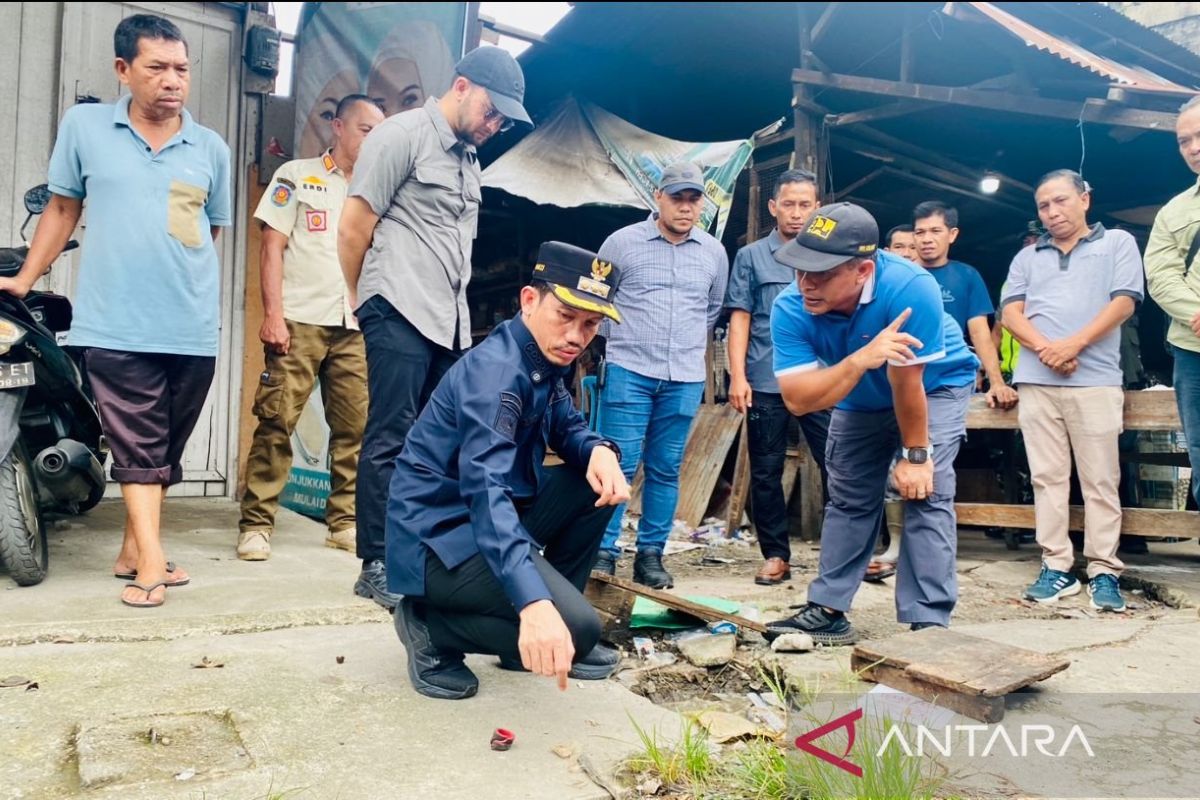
{"points": [[434, 672], [648, 570], [605, 563], [597, 665], [372, 584], [920, 626]]}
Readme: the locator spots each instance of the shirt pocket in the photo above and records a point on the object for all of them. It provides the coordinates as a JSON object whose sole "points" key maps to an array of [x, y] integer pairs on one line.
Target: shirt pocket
{"points": [[442, 189], [184, 203]]}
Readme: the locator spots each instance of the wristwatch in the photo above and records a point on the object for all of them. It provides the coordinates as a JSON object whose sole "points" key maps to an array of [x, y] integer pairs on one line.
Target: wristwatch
{"points": [[916, 455]]}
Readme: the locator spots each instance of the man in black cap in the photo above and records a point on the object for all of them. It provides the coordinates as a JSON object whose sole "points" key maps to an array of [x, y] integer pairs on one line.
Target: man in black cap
{"points": [[864, 331], [470, 506], [404, 242]]}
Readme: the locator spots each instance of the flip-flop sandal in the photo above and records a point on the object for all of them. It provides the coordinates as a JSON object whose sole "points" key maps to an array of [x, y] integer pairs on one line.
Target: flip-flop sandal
{"points": [[148, 590], [887, 571], [132, 576]]}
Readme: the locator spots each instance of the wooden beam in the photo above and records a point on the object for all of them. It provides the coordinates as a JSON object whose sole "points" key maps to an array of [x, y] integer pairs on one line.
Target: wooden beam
{"points": [[740, 488], [906, 46], [1134, 521], [1092, 110], [802, 103], [822, 24], [966, 191], [889, 111], [678, 603], [858, 184], [1144, 411]]}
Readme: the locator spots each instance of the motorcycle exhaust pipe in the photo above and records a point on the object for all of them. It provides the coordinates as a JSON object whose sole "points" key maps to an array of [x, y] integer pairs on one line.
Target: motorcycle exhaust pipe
{"points": [[69, 471]]}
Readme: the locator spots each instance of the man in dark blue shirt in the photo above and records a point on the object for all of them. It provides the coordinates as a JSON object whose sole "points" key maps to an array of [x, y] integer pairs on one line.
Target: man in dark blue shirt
{"points": [[490, 551]]}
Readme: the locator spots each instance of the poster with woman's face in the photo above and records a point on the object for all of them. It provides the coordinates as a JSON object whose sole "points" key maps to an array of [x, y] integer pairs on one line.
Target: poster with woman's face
{"points": [[396, 53]]}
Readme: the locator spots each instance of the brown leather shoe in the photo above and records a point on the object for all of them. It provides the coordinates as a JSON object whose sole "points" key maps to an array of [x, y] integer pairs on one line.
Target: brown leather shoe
{"points": [[773, 571]]}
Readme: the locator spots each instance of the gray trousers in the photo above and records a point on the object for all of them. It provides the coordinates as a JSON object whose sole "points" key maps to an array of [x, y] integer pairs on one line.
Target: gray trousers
{"points": [[858, 456]]}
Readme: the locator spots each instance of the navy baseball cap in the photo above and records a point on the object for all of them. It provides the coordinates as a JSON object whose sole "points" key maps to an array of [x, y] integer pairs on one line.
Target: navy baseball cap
{"points": [[835, 234], [681, 175], [501, 76], [580, 279]]}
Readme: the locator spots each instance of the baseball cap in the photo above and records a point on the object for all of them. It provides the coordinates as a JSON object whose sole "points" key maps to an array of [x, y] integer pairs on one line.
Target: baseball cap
{"points": [[835, 234], [580, 279], [681, 175], [501, 76]]}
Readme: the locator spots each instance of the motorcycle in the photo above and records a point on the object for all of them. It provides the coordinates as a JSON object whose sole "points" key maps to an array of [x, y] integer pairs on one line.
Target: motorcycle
{"points": [[52, 451]]}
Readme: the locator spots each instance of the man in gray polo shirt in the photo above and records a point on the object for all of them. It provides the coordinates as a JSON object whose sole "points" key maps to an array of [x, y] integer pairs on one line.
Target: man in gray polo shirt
{"points": [[404, 242], [1064, 301]]}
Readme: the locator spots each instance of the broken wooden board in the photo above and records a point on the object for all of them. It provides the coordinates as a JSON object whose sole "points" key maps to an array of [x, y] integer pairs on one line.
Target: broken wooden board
{"points": [[1146, 410], [1134, 521], [712, 432], [613, 605], [965, 674], [672, 601]]}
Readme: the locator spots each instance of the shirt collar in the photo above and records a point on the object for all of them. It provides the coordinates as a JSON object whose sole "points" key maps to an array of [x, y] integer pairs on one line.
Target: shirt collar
{"points": [[655, 233], [329, 164], [775, 240], [187, 131], [1095, 233], [440, 124], [540, 368], [1197, 189], [868, 292]]}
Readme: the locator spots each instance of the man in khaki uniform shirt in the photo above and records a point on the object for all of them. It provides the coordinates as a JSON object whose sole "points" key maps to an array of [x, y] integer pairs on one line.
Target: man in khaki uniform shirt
{"points": [[309, 332], [1173, 278]]}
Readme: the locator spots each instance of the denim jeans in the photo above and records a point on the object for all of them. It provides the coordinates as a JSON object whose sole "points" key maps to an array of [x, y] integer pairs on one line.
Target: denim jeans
{"points": [[766, 439], [1187, 395], [648, 417]]}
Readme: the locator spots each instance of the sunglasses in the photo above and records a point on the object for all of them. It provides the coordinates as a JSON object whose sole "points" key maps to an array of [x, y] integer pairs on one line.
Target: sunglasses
{"points": [[490, 115]]}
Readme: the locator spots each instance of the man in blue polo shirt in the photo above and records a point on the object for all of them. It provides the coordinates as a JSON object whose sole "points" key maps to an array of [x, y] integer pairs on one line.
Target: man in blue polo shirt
{"points": [[852, 311], [147, 306]]}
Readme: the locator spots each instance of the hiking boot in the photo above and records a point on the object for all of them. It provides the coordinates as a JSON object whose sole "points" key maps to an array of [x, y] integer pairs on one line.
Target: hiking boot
{"points": [[254, 545], [825, 627], [434, 672], [648, 570], [606, 563], [372, 584], [1105, 591], [1051, 585], [345, 539]]}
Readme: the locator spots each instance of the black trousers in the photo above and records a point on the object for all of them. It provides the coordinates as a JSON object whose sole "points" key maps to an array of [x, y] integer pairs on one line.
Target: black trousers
{"points": [[466, 608], [403, 369], [767, 437]]}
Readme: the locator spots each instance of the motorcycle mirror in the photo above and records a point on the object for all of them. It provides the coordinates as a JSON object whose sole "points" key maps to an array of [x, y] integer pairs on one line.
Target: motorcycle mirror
{"points": [[37, 198]]}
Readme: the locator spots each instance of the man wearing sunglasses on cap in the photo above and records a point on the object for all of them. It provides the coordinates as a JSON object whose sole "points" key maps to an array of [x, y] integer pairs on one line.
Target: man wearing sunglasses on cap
{"points": [[404, 242]]}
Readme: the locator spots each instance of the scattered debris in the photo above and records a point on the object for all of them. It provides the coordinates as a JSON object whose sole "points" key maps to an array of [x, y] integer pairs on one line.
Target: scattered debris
{"points": [[650, 787], [208, 663], [793, 643], [32, 687], [709, 651], [186, 775], [725, 727], [13, 681], [563, 750], [502, 739], [341, 659], [644, 647]]}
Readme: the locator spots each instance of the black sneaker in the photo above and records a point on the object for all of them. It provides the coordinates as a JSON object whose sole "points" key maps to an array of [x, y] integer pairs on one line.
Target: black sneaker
{"points": [[372, 584], [597, 665], [920, 626], [606, 563], [434, 672], [825, 627], [648, 570]]}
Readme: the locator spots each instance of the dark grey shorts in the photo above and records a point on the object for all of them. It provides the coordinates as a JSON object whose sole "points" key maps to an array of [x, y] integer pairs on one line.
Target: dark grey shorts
{"points": [[149, 404]]}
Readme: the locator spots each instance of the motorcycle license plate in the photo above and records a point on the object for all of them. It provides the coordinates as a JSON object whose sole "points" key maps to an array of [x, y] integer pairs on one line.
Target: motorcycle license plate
{"points": [[14, 376]]}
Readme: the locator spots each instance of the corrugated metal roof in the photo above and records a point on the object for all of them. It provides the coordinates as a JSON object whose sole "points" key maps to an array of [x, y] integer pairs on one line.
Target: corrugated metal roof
{"points": [[1038, 39]]}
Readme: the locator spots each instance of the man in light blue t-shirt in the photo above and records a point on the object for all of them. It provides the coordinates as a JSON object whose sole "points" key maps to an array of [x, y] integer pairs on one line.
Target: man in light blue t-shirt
{"points": [[147, 309], [864, 332]]}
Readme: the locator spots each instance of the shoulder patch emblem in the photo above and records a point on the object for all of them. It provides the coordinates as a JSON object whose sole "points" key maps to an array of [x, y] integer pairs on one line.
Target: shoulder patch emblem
{"points": [[281, 196], [508, 415]]}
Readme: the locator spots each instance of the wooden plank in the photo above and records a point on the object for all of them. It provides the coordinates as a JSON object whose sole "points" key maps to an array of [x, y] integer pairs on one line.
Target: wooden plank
{"points": [[890, 111], [741, 483], [1092, 110], [678, 603], [812, 497], [822, 24], [613, 604], [1144, 411], [1134, 521], [978, 707]]}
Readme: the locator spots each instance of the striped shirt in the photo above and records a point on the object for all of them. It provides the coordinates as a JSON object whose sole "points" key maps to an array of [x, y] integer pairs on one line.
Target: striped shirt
{"points": [[669, 296]]}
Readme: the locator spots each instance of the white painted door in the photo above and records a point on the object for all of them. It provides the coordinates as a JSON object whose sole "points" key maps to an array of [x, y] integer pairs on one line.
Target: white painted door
{"points": [[214, 36]]}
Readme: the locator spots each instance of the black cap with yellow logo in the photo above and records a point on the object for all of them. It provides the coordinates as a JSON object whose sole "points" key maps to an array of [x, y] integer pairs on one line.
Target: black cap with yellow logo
{"points": [[835, 234], [580, 279]]}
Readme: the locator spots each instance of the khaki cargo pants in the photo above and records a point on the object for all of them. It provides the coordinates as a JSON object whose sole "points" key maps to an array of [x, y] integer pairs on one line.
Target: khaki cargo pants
{"points": [[336, 356]]}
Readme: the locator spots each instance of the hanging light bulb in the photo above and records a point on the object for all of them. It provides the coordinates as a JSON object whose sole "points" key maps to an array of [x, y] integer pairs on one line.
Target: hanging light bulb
{"points": [[990, 183]]}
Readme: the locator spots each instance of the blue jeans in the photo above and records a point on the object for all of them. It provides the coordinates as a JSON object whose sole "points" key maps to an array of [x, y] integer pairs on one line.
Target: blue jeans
{"points": [[1187, 395], [652, 417]]}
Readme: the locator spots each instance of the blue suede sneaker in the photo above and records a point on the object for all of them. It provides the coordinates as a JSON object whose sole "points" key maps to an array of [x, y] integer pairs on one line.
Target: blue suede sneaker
{"points": [[1051, 585], [1105, 590]]}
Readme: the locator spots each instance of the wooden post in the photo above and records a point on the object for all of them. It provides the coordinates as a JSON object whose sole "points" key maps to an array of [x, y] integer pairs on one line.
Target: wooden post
{"points": [[812, 496], [806, 128], [741, 483]]}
